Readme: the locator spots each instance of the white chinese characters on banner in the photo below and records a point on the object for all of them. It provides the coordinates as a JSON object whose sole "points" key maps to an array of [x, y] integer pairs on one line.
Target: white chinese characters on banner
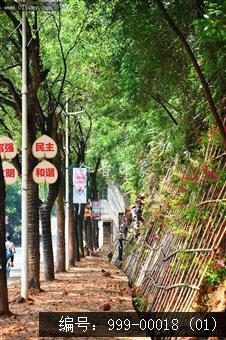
{"points": [[10, 173], [79, 185], [45, 172], [44, 147], [8, 149]]}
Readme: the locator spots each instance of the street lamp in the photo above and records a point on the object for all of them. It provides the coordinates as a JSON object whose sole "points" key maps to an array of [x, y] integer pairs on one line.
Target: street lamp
{"points": [[67, 203], [24, 196]]}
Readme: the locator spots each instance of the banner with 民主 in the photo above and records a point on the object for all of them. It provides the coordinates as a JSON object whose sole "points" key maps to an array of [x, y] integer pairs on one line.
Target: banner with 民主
{"points": [[80, 185]]}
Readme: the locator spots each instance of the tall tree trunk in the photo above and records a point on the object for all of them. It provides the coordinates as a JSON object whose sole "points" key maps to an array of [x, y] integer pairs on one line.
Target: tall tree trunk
{"points": [[96, 234], [94, 196], [86, 230], [72, 237], [89, 234], [33, 207], [93, 235], [60, 265], [80, 230], [45, 216], [197, 68], [33, 235], [4, 305], [76, 218], [46, 207]]}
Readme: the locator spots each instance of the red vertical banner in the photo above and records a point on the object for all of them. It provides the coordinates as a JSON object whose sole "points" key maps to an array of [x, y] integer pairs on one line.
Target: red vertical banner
{"points": [[96, 210], [80, 185]]}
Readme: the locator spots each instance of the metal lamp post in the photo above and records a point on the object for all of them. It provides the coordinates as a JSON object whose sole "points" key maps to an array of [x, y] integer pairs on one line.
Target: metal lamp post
{"points": [[67, 197], [24, 200]]}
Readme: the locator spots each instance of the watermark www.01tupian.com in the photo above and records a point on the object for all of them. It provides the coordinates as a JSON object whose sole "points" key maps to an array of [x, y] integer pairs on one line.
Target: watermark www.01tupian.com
{"points": [[30, 5]]}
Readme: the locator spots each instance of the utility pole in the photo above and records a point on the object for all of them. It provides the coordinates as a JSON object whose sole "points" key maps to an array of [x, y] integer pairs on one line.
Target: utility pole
{"points": [[67, 205], [67, 187], [24, 200]]}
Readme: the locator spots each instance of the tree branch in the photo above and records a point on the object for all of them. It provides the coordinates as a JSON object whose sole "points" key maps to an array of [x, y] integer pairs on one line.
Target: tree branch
{"points": [[78, 36], [66, 55], [9, 67], [16, 24], [13, 92], [89, 130], [197, 68], [8, 102], [158, 100]]}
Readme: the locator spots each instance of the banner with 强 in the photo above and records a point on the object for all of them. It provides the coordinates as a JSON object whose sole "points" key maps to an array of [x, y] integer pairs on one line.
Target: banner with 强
{"points": [[79, 185]]}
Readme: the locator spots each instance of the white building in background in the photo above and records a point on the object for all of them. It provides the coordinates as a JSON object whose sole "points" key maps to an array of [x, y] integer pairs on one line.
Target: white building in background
{"points": [[111, 209]]}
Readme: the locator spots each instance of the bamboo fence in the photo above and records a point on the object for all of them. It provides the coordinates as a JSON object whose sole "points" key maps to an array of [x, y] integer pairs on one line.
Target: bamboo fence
{"points": [[170, 269]]}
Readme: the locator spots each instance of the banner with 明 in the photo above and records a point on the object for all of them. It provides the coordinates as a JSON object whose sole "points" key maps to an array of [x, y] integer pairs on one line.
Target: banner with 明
{"points": [[80, 185], [96, 210]]}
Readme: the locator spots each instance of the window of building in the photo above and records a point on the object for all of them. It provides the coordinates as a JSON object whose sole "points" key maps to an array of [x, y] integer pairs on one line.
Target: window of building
{"points": [[103, 193]]}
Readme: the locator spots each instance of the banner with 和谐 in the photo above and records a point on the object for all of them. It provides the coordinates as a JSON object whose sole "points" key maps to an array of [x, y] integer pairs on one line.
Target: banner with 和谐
{"points": [[79, 185]]}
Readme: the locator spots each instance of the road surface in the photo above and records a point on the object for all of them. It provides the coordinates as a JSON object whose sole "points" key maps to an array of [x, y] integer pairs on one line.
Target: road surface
{"points": [[15, 272]]}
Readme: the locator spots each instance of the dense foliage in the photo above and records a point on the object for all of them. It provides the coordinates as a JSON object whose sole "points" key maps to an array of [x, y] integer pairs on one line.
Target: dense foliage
{"points": [[131, 73], [128, 69]]}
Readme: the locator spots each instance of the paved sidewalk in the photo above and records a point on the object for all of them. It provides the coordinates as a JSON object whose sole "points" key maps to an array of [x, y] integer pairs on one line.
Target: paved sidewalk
{"points": [[92, 282]]}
